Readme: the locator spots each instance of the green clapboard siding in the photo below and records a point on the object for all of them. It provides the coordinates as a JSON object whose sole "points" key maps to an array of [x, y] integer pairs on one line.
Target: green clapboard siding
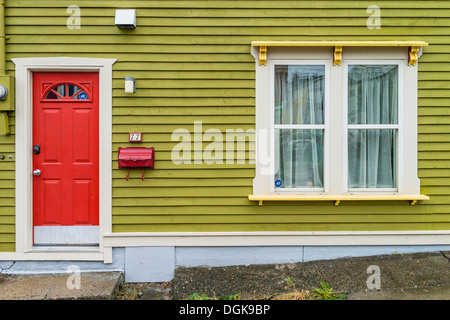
{"points": [[192, 62], [7, 185]]}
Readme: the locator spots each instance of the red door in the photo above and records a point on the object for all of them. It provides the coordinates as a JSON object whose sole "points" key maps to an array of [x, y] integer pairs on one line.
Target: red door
{"points": [[65, 155]]}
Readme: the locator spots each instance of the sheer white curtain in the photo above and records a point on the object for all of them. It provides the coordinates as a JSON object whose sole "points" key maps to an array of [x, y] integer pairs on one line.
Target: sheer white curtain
{"points": [[372, 100], [299, 126]]}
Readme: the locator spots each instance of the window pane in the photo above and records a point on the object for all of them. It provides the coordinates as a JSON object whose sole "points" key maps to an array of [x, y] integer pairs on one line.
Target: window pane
{"points": [[56, 92], [372, 158], [72, 89], [372, 94], [81, 95], [299, 94], [299, 158]]}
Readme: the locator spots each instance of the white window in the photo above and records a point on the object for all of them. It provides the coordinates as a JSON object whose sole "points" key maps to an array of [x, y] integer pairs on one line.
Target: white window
{"points": [[336, 129]]}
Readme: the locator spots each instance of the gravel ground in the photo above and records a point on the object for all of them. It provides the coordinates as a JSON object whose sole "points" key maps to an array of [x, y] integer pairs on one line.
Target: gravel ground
{"points": [[347, 275]]}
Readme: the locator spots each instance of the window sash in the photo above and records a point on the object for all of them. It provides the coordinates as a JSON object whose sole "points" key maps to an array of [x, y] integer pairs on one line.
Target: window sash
{"points": [[376, 170], [324, 126], [397, 128], [308, 173], [366, 82]]}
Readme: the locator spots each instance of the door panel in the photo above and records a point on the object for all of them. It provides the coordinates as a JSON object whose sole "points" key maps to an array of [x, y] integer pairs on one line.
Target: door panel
{"points": [[81, 145], [66, 127], [52, 135], [82, 193], [51, 193]]}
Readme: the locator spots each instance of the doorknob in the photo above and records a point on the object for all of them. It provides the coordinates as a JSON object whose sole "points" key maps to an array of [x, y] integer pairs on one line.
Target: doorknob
{"points": [[37, 172]]}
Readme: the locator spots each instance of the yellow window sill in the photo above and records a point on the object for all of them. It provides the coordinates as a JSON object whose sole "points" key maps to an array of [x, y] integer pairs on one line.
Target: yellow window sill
{"points": [[338, 198]]}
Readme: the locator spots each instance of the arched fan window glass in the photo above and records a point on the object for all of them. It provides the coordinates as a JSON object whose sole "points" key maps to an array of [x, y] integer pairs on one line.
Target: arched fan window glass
{"points": [[66, 91]]}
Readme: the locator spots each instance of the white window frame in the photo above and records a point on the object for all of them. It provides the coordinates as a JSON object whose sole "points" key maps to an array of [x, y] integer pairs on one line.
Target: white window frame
{"points": [[398, 126], [325, 126], [336, 148]]}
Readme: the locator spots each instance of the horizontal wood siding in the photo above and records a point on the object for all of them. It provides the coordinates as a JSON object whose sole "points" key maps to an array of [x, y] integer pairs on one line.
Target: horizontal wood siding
{"points": [[7, 191], [192, 62]]}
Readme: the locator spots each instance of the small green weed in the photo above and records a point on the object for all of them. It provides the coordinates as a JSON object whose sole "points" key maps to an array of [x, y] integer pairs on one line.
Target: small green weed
{"points": [[290, 283], [231, 297], [196, 296], [326, 293], [128, 294]]}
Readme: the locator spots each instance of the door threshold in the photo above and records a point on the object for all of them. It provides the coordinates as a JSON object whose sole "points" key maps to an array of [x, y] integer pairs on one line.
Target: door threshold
{"points": [[68, 253]]}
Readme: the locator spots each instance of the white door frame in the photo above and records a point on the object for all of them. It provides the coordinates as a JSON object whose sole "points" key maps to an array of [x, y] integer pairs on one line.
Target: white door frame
{"points": [[24, 162]]}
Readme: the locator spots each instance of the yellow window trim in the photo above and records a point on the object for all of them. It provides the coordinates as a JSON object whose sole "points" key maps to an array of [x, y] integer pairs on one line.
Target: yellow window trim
{"points": [[413, 47], [337, 198]]}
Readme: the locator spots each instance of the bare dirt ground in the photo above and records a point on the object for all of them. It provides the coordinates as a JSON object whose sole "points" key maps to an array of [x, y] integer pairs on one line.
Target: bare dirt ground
{"points": [[403, 276]]}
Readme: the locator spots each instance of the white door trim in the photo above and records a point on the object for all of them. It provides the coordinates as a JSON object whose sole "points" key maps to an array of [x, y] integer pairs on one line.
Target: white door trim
{"points": [[23, 143]]}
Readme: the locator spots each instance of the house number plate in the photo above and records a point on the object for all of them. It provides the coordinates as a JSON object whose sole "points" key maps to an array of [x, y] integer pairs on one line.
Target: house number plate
{"points": [[135, 137]]}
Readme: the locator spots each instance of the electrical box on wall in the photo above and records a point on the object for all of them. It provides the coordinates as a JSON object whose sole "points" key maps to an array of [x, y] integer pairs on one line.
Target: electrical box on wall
{"points": [[6, 93], [137, 158]]}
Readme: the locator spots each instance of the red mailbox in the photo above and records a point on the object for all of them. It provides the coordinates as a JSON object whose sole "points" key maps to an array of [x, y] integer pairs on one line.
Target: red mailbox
{"points": [[136, 157]]}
